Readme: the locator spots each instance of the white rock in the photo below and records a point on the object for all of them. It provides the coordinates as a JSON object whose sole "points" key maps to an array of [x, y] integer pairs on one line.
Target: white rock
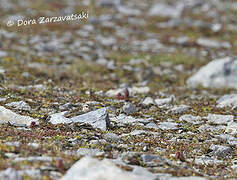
{"points": [[132, 91], [148, 101], [227, 100], [168, 125], [164, 101], [129, 108], [220, 119], [179, 109], [20, 105], [3, 54], [191, 119], [220, 73], [213, 44], [92, 169], [187, 178], [231, 128], [161, 9], [13, 118], [97, 119]]}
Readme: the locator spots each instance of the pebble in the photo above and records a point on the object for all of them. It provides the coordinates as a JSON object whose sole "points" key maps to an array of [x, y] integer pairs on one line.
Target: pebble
{"points": [[219, 119], [20, 105], [227, 100], [178, 109], [129, 108]]}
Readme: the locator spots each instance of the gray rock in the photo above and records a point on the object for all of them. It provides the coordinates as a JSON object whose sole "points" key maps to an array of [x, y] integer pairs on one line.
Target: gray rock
{"points": [[151, 125], [165, 101], [220, 151], [162, 9], [111, 137], [213, 44], [220, 73], [15, 119], [178, 109], [3, 54], [204, 160], [109, 3], [12, 174], [206, 128], [191, 119], [97, 119], [148, 101], [132, 91], [168, 126], [187, 178], [89, 168], [231, 128], [20, 105], [154, 160], [219, 119], [227, 101], [89, 152], [123, 119], [129, 108]]}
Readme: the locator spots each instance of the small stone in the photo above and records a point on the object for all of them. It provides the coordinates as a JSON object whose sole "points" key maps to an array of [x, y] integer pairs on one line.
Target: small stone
{"points": [[219, 119], [227, 101], [191, 119], [220, 151], [111, 137], [168, 126], [148, 101], [129, 108], [20, 105], [178, 109], [3, 54], [89, 152], [154, 160], [164, 101], [162, 9], [231, 128]]}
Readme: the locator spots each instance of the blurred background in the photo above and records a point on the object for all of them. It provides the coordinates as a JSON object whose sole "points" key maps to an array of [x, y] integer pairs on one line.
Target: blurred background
{"points": [[143, 38]]}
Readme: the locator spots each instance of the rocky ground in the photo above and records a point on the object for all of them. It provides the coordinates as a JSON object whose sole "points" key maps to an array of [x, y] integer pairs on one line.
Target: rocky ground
{"points": [[132, 90]]}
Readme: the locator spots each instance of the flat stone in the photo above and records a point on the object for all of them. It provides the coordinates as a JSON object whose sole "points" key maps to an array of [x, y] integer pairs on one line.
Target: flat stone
{"points": [[164, 101], [228, 100], [220, 73], [132, 91], [168, 126], [129, 108], [89, 152], [111, 137], [178, 109], [220, 119], [20, 105], [187, 178], [231, 128], [3, 54], [109, 3], [8, 116], [204, 160], [97, 119], [191, 119], [220, 151], [212, 43], [162, 9], [154, 160], [148, 101], [89, 168]]}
